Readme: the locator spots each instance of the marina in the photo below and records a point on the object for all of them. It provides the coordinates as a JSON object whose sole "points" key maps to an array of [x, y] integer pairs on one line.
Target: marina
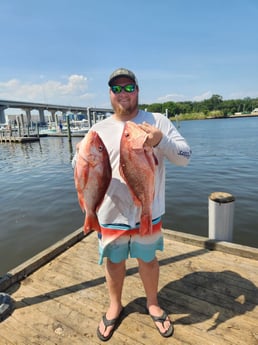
{"points": [[26, 134], [18, 134], [34, 134], [208, 288]]}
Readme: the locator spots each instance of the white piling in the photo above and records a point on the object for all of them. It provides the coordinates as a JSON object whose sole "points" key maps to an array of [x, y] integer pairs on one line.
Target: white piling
{"points": [[221, 216]]}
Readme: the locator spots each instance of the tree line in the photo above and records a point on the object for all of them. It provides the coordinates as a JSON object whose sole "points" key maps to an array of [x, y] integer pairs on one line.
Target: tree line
{"points": [[208, 108]]}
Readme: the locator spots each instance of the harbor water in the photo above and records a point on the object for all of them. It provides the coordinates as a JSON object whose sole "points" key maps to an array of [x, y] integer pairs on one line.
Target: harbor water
{"points": [[39, 203]]}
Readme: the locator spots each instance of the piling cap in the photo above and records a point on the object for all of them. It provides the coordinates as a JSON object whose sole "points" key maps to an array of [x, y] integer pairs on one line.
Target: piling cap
{"points": [[222, 197]]}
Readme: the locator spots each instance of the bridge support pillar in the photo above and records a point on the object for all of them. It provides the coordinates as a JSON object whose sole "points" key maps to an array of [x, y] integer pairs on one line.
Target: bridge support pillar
{"points": [[89, 117], [22, 120], [2, 115], [41, 116], [28, 116], [53, 113]]}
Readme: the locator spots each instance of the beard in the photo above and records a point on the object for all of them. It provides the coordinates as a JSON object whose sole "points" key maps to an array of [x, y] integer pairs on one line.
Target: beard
{"points": [[127, 110]]}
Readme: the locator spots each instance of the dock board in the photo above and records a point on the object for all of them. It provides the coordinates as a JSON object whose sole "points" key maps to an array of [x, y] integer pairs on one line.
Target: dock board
{"points": [[210, 295]]}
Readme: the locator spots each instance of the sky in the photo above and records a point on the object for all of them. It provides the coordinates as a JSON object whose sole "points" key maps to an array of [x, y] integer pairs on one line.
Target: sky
{"points": [[63, 51]]}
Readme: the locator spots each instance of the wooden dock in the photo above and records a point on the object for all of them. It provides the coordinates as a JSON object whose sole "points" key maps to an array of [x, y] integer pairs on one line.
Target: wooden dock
{"points": [[18, 139], [211, 295]]}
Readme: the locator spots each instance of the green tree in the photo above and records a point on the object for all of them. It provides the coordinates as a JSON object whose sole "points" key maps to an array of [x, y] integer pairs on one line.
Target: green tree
{"points": [[214, 102]]}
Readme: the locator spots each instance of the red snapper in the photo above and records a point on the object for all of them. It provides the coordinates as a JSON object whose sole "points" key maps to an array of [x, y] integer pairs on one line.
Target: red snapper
{"points": [[137, 167], [92, 175]]}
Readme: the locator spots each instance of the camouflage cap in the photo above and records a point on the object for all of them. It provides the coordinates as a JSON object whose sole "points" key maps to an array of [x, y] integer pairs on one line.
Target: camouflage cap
{"points": [[122, 72]]}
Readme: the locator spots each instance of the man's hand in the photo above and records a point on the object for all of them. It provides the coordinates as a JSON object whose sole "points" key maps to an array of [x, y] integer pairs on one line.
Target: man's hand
{"points": [[154, 134]]}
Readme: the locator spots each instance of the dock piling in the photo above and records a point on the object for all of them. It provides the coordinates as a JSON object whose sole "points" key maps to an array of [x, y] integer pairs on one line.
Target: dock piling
{"points": [[68, 128], [221, 216]]}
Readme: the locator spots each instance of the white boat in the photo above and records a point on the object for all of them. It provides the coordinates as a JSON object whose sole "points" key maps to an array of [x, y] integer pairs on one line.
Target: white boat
{"points": [[76, 127], [81, 126], [79, 130]]}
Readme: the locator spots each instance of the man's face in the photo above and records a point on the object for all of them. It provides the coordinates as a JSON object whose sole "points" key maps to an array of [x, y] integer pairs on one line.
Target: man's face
{"points": [[124, 103]]}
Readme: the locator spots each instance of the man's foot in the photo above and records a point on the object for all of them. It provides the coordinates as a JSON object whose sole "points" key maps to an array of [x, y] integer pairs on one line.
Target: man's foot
{"points": [[108, 326], [162, 323]]}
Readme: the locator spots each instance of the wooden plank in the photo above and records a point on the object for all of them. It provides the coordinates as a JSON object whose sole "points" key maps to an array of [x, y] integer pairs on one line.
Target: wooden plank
{"points": [[19, 333], [227, 247], [57, 322]]}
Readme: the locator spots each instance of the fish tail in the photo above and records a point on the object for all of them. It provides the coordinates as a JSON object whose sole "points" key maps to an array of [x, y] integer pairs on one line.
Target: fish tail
{"points": [[146, 225], [91, 223]]}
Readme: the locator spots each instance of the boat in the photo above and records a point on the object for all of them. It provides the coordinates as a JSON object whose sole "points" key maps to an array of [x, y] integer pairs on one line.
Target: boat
{"points": [[79, 126]]}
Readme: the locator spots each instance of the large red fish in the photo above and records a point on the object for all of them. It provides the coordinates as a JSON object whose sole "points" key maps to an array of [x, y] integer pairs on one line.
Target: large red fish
{"points": [[137, 167], [92, 175]]}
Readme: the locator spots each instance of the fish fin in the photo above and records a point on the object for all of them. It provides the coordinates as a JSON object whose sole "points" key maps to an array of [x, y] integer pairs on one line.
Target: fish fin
{"points": [[81, 174], [145, 225], [91, 223], [79, 187]]}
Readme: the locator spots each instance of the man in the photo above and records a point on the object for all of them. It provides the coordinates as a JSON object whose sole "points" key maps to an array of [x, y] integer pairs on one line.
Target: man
{"points": [[118, 214]]}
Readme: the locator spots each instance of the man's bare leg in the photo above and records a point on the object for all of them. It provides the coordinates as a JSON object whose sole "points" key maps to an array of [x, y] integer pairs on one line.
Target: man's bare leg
{"points": [[115, 274], [149, 272]]}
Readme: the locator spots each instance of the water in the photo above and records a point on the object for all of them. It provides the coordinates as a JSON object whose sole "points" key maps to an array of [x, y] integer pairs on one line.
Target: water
{"points": [[225, 158], [39, 203]]}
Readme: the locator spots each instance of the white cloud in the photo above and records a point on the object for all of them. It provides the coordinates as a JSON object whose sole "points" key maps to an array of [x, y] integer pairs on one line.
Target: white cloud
{"points": [[71, 92], [205, 95], [174, 97], [171, 98]]}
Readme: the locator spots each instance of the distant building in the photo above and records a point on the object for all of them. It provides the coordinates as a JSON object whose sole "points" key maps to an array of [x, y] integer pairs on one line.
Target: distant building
{"points": [[255, 111]]}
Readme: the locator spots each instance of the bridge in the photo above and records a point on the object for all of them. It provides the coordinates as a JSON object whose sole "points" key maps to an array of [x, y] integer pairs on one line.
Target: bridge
{"points": [[52, 108]]}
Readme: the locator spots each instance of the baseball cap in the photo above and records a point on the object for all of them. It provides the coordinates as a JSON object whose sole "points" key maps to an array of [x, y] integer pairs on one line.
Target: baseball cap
{"points": [[122, 72]]}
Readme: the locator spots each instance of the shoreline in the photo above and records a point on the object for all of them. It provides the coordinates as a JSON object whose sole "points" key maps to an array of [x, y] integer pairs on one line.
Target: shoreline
{"points": [[178, 119]]}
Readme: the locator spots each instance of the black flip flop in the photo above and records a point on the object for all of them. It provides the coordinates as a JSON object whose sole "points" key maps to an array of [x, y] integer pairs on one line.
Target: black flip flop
{"points": [[162, 319], [107, 323]]}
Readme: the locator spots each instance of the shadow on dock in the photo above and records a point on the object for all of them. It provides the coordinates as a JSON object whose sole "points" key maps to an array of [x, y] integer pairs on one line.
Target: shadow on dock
{"points": [[220, 295], [199, 296]]}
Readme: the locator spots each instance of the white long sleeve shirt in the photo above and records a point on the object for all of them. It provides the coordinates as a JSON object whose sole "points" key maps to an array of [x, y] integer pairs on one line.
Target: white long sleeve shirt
{"points": [[118, 206]]}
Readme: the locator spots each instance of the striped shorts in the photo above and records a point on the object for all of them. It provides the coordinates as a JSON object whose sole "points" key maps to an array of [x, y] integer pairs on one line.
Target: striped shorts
{"points": [[119, 241]]}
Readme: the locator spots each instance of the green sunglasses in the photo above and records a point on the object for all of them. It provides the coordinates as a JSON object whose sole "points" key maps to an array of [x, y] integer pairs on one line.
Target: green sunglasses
{"points": [[127, 88]]}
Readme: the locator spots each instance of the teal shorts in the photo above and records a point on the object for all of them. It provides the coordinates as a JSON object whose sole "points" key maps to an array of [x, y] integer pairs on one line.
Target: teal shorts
{"points": [[119, 245]]}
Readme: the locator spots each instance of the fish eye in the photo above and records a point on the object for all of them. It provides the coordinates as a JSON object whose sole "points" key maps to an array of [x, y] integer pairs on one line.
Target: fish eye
{"points": [[127, 134], [100, 148]]}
